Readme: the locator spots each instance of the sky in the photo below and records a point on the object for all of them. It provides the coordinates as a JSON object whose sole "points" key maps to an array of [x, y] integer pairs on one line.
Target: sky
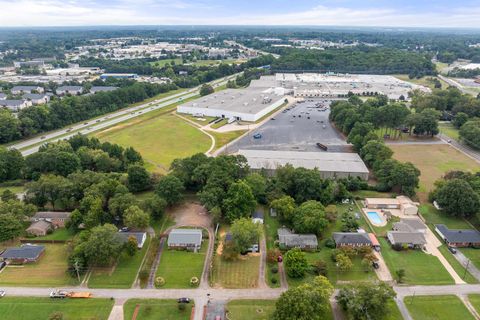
{"points": [[399, 13]]}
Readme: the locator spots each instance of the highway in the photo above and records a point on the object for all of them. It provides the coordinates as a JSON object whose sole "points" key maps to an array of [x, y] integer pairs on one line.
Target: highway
{"points": [[110, 119]]}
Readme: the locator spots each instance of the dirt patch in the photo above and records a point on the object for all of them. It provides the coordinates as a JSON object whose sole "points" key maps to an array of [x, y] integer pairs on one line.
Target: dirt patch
{"points": [[220, 244], [191, 214]]}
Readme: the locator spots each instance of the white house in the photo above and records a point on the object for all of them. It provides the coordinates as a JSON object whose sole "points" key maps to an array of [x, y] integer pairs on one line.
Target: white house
{"points": [[36, 98], [15, 105], [26, 89], [73, 90]]}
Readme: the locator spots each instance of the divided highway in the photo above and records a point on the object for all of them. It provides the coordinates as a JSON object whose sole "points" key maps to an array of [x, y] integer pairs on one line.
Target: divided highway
{"points": [[110, 119]]}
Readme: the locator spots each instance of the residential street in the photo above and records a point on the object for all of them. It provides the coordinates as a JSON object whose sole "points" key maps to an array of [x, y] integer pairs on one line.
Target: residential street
{"points": [[464, 261]]}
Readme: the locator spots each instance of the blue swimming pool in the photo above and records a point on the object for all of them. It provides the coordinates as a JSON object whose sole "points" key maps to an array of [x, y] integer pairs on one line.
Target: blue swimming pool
{"points": [[374, 217]]}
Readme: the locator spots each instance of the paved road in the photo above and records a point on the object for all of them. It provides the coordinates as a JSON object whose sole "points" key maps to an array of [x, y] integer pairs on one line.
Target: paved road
{"points": [[464, 261], [92, 125], [472, 153], [263, 261]]}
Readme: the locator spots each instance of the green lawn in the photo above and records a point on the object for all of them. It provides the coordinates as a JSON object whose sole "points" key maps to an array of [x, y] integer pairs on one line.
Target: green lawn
{"points": [[219, 124], [124, 273], [394, 313], [473, 255], [445, 307], [49, 271], [163, 62], [29, 308], [178, 267], [475, 301], [371, 194], [459, 269], [420, 268], [250, 309], [202, 121], [222, 138], [155, 309], [449, 130], [434, 216], [160, 139], [14, 189], [271, 224], [423, 81], [59, 234]]}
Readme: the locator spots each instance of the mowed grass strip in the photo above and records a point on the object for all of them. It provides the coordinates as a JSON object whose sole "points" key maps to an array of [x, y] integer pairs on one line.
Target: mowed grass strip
{"points": [[222, 138], [250, 309], [445, 307], [124, 273], [177, 267], [156, 309], [420, 268], [160, 140], [475, 301], [241, 273], [433, 161], [49, 270], [473, 254], [30, 308]]}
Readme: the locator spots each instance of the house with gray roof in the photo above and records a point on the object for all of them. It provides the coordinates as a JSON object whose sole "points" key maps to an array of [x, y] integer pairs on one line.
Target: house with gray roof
{"points": [[102, 89], [190, 239], [141, 237], [73, 90], [36, 98], [412, 240], [458, 237], [39, 228], [23, 254], [410, 225], [3, 96], [352, 239], [56, 218], [287, 240], [26, 89], [15, 105]]}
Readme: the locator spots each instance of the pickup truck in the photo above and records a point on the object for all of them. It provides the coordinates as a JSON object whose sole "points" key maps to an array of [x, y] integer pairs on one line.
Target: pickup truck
{"points": [[62, 294]]}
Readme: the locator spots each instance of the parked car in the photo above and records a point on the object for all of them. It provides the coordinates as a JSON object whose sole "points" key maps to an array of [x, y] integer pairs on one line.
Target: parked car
{"points": [[2, 293], [375, 265], [183, 300], [257, 136], [452, 250], [3, 264]]}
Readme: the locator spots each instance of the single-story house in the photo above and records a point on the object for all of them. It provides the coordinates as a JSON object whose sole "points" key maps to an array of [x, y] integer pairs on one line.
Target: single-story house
{"points": [[73, 90], [102, 89], [410, 239], [3, 96], [402, 203], [287, 240], [257, 217], [39, 228], [140, 236], [15, 105], [352, 239], [26, 89], [58, 219], [190, 239], [23, 254], [36, 98], [410, 225], [458, 237]]}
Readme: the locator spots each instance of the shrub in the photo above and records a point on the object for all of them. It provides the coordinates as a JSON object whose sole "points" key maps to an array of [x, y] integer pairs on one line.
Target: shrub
{"points": [[143, 275], [330, 243], [159, 282], [274, 269], [181, 306], [194, 282], [273, 280], [272, 255], [320, 268]]}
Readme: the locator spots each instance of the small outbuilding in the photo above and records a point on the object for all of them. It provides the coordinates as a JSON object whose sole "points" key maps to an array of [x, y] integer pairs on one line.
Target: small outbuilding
{"points": [[190, 239], [141, 237]]}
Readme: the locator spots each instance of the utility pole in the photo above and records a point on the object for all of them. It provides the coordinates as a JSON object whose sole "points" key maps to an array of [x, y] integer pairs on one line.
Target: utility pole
{"points": [[411, 301], [75, 265], [466, 268]]}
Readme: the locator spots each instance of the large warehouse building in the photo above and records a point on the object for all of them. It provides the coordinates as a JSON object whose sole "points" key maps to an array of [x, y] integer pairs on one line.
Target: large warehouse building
{"points": [[332, 165], [249, 104]]}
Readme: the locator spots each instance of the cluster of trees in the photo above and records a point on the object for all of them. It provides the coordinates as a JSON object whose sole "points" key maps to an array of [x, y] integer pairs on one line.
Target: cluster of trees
{"points": [[361, 121], [60, 113], [12, 215], [462, 109], [247, 76], [360, 59], [458, 193]]}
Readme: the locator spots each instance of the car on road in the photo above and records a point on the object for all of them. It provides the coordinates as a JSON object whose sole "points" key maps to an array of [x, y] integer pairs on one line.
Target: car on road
{"points": [[257, 136], [85, 123], [97, 121], [183, 300], [69, 129], [2, 293], [449, 141], [375, 265], [42, 137], [452, 250], [58, 294], [272, 118]]}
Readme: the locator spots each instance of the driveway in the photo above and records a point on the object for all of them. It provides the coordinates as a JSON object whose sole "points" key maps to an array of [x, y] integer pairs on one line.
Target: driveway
{"points": [[383, 273]]}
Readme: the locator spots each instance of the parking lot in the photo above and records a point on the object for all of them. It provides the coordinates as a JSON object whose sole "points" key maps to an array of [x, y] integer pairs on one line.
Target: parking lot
{"points": [[300, 128]]}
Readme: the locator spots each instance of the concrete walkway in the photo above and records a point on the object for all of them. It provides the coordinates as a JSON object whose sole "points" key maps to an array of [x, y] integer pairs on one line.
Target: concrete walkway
{"points": [[469, 306], [117, 310], [383, 273]]}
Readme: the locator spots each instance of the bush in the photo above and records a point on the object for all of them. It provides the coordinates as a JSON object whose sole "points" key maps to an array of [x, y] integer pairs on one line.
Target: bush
{"points": [[273, 280], [320, 268], [181, 306], [330, 243], [159, 282], [272, 255], [274, 269], [194, 282], [143, 275]]}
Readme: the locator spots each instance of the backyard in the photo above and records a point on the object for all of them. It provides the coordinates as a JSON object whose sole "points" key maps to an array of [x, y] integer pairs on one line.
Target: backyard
{"points": [[420, 268], [177, 267], [445, 307], [48, 271], [250, 309], [153, 309], [441, 159], [124, 273], [29, 308]]}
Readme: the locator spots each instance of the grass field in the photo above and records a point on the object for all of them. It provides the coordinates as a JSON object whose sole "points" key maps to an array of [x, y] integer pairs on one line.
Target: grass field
{"points": [[420, 268], [433, 161], [475, 301], [59, 234], [437, 308], [223, 138], [241, 273], [473, 255], [160, 139], [49, 271], [14, 189], [29, 308], [449, 130], [178, 267], [153, 309], [219, 124], [124, 274], [424, 81], [163, 62], [250, 309]]}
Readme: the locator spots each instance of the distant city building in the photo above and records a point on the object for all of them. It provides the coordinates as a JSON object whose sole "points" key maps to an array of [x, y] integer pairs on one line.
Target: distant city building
{"points": [[73, 90], [118, 76], [102, 89], [26, 89]]}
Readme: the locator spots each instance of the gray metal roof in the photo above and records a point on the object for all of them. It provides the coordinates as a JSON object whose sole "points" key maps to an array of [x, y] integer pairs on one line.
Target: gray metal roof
{"points": [[351, 238], [24, 252], [323, 161], [11, 103], [52, 215], [3, 95], [102, 89], [289, 239], [185, 237], [25, 88], [34, 96], [123, 236], [409, 225], [401, 237], [459, 235]]}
